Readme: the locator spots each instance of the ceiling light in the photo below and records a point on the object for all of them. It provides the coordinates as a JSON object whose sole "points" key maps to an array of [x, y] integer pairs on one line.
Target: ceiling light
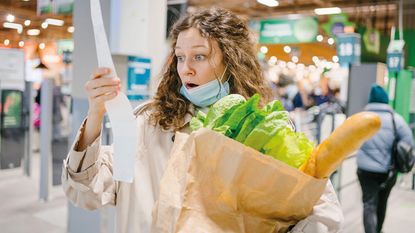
{"points": [[6, 42], [71, 29], [16, 26], [315, 59], [327, 11], [294, 59], [33, 32], [21, 43], [272, 60], [264, 49], [287, 49], [335, 59], [330, 41], [27, 22], [270, 3], [56, 22], [44, 25], [41, 45], [10, 18], [319, 38]]}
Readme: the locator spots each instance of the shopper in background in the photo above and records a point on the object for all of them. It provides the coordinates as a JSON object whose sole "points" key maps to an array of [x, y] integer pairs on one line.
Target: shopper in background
{"points": [[374, 159], [286, 90], [211, 56]]}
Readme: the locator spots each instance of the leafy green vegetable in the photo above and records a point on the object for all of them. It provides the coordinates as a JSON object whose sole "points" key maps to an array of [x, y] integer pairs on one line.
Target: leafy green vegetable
{"points": [[222, 107], [266, 129], [195, 124], [289, 147], [273, 106], [249, 124], [236, 117]]}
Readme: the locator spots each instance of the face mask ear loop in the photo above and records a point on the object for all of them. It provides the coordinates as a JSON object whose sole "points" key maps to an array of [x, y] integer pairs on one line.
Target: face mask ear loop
{"points": [[219, 81]]}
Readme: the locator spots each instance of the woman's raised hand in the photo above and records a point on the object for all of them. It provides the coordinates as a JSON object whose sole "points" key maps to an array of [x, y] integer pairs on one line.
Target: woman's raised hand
{"points": [[100, 89]]}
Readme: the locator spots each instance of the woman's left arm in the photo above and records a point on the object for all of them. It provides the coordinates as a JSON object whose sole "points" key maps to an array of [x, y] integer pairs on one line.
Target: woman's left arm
{"points": [[327, 215]]}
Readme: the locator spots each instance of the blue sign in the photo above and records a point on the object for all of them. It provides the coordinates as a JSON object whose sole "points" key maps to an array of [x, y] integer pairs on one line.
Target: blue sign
{"points": [[348, 48], [395, 61], [138, 84]]}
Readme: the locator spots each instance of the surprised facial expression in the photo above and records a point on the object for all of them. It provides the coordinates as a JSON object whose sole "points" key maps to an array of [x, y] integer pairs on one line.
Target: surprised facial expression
{"points": [[199, 59]]}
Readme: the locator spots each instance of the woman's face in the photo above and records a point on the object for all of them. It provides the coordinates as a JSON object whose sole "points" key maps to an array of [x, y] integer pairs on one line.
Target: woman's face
{"points": [[199, 60]]}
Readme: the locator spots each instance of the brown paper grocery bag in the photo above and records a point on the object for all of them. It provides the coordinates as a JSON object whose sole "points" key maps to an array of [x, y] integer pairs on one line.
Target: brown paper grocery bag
{"points": [[215, 184]]}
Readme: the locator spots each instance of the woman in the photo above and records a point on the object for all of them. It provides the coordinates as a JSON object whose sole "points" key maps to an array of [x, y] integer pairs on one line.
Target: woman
{"points": [[211, 57], [374, 159]]}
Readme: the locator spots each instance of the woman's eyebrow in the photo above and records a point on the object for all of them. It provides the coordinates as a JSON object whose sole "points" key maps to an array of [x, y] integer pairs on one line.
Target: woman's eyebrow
{"points": [[194, 46]]}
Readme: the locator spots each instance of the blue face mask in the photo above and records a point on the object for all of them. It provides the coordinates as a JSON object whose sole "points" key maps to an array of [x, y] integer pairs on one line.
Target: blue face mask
{"points": [[206, 94]]}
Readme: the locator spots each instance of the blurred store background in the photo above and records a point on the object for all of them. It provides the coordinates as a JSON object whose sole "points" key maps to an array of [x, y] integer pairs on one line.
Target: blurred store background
{"points": [[319, 57]]}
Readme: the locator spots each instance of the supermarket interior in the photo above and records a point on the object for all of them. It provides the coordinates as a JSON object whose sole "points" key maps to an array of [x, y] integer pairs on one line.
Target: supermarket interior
{"points": [[321, 61]]}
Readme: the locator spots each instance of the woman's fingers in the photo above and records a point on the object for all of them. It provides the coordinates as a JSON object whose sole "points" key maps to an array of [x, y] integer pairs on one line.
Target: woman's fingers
{"points": [[101, 82], [103, 90], [100, 71], [106, 97]]}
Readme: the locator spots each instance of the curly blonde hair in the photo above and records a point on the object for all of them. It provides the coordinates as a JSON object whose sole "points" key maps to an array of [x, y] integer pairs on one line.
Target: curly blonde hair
{"points": [[169, 107]]}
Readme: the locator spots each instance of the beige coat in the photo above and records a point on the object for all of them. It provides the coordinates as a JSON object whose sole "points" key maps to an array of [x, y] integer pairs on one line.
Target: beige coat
{"points": [[87, 182]]}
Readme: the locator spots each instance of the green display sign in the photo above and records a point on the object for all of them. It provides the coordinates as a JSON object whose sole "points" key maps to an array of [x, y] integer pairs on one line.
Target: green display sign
{"points": [[12, 108], [288, 31], [336, 24]]}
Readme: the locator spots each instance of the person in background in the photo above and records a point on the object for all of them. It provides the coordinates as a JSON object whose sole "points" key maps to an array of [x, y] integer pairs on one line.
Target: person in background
{"points": [[211, 56], [374, 160], [286, 90]]}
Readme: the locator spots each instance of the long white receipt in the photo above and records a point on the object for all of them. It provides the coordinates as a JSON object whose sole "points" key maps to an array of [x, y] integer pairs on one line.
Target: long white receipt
{"points": [[119, 109]]}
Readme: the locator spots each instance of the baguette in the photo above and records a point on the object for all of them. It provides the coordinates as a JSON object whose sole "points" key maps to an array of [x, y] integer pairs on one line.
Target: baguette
{"points": [[345, 139]]}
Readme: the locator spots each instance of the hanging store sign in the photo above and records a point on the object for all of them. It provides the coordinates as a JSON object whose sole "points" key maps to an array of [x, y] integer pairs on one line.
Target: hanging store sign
{"points": [[395, 56], [348, 48], [283, 31], [139, 70]]}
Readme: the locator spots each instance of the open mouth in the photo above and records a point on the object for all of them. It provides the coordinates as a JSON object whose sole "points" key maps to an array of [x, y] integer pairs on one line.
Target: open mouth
{"points": [[191, 85]]}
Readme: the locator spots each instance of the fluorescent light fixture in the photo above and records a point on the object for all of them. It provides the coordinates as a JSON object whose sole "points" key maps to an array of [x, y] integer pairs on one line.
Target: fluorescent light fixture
{"points": [[16, 26], [270, 3], [33, 32], [55, 22], [42, 46], [21, 43], [6, 42], [27, 22], [327, 11], [10, 18], [71, 29], [44, 25]]}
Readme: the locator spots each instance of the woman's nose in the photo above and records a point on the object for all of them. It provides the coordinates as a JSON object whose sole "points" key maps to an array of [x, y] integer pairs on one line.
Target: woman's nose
{"points": [[187, 68]]}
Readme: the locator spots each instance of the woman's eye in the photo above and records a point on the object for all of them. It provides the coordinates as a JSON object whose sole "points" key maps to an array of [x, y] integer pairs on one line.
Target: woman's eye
{"points": [[180, 58], [199, 57]]}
